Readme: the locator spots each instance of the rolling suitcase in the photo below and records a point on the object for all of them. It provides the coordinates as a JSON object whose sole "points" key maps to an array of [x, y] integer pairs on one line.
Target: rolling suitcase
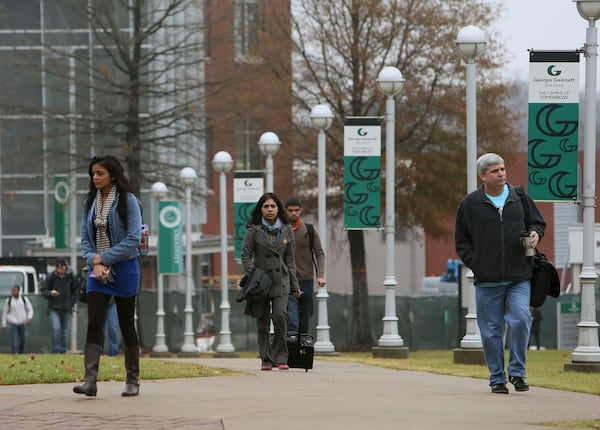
{"points": [[301, 351]]}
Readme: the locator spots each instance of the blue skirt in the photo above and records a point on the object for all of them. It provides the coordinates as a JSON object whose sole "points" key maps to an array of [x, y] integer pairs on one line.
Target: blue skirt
{"points": [[126, 282]]}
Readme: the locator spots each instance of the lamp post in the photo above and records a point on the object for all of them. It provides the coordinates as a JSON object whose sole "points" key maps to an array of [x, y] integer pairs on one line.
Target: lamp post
{"points": [[470, 43], [188, 178], [587, 350], [321, 118], [222, 163], [159, 191], [390, 83], [269, 145]]}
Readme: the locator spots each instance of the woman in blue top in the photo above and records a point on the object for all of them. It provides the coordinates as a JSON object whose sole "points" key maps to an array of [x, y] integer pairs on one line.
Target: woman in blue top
{"points": [[110, 236]]}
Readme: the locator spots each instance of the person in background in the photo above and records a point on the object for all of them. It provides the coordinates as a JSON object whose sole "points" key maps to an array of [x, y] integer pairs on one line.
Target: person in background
{"points": [[310, 258], [17, 316], [536, 322], [490, 222], [60, 288], [110, 236], [269, 245]]}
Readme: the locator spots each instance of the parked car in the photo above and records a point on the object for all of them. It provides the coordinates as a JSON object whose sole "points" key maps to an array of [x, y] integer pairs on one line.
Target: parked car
{"points": [[25, 277]]}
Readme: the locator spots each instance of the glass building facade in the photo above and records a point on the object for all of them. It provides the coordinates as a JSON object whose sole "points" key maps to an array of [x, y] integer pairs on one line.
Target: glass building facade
{"points": [[69, 92]]}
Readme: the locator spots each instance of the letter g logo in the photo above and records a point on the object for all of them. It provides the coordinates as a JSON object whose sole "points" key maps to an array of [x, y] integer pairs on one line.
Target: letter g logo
{"points": [[553, 72]]}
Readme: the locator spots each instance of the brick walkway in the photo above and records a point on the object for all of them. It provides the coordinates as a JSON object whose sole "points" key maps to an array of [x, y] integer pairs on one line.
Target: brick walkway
{"points": [[60, 420]]}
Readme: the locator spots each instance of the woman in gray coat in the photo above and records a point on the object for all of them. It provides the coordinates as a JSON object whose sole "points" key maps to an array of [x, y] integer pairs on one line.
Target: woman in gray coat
{"points": [[269, 244]]}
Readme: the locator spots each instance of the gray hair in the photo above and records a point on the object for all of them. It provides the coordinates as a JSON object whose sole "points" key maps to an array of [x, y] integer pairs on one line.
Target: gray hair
{"points": [[487, 160]]}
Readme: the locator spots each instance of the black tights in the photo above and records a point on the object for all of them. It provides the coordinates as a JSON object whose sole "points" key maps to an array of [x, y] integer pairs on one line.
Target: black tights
{"points": [[97, 303]]}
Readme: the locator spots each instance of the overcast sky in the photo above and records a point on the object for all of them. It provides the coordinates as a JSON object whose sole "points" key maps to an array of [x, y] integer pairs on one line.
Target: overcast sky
{"points": [[540, 24]]}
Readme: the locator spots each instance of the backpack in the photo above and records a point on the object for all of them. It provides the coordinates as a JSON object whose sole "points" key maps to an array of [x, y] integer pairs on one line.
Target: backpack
{"points": [[310, 232], [24, 302], [144, 246]]}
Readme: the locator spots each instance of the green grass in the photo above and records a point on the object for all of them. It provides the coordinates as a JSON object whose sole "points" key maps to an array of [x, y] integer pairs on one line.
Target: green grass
{"points": [[53, 369]]}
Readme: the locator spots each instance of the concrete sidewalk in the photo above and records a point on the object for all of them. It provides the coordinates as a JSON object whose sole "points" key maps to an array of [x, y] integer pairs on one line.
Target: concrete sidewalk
{"points": [[334, 395]]}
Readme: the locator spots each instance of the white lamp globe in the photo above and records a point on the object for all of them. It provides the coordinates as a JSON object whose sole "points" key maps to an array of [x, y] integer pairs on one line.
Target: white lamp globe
{"points": [[188, 175], [321, 117], [390, 81], [470, 42], [222, 162], [269, 143], [588, 9]]}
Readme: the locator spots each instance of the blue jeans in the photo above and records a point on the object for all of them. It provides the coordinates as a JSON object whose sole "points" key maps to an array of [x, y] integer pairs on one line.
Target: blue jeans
{"points": [[18, 337], [301, 309], [60, 327], [497, 306]]}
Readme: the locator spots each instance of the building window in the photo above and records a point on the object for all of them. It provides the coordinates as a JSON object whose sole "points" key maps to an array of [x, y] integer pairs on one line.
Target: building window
{"points": [[247, 152], [246, 27]]}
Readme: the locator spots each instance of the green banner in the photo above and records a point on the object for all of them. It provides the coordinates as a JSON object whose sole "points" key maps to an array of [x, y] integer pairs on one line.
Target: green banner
{"points": [[362, 173], [553, 125], [248, 186], [62, 213], [170, 237]]}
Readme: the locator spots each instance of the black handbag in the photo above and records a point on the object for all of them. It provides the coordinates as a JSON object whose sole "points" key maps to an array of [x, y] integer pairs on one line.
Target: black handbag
{"points": [[544, 280]]}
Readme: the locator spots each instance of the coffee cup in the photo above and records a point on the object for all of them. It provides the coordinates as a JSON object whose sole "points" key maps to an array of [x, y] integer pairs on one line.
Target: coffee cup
{"points": [[527, 246]]}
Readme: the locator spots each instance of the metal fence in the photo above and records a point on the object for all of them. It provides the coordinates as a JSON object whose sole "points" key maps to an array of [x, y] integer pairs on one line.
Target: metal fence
{"points": [[423, 322]]}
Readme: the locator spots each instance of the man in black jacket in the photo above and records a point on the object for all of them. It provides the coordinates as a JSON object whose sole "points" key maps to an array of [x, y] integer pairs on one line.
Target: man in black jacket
{"points": [[490, 223], [60, 288]]}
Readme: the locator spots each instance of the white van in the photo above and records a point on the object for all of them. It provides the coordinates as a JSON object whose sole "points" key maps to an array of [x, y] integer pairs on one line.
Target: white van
{"points": [[25, 277]]}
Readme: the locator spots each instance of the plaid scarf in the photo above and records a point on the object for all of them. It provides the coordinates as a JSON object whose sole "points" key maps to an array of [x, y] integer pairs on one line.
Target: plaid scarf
{"points": [[101, 221]]}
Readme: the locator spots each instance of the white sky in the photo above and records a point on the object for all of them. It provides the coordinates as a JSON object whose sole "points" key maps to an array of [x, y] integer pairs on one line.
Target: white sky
{"points": [[539, 24]]}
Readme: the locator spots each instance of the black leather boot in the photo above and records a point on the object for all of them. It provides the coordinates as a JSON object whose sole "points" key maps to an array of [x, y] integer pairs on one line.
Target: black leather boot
{"points": [[132, 367], [91, 358]]}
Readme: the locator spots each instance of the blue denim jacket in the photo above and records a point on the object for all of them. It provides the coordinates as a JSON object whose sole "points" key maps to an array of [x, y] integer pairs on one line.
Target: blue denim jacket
{"points": [[124, 240]]}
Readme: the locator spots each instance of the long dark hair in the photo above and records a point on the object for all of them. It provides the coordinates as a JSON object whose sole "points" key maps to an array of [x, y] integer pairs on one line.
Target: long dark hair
{"points": [[256, 215], [116, 172]]}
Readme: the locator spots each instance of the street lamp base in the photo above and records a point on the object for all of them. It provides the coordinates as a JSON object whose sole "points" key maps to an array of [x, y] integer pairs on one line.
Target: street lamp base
{"points": [[185, 354], [160, 348], [324, 347], [469, 356], [582, 367], [225, 348], [390, 351], [155, 354], [471, 342], [225, 355]]}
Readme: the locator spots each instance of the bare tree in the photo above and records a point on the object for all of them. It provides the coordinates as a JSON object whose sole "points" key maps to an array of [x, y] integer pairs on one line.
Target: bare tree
{"points": [[340, 47], [120, 76]]}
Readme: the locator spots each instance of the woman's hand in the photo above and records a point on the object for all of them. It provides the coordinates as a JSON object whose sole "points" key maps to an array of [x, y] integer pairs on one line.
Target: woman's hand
{"points": [[100, 270], [297, 293]]}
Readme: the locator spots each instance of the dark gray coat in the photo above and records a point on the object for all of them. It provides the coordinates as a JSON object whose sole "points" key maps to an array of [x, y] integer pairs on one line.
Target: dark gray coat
{"points": [[487, 240], [276, 257]]}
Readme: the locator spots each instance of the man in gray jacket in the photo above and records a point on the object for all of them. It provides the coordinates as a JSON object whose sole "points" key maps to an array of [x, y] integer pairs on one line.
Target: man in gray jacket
{"points": [[490, 223], [310, 258]]}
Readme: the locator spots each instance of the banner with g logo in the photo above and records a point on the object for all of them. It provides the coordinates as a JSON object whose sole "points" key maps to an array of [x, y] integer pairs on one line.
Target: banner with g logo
{"points": [[553, 125], [362, 173]]}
